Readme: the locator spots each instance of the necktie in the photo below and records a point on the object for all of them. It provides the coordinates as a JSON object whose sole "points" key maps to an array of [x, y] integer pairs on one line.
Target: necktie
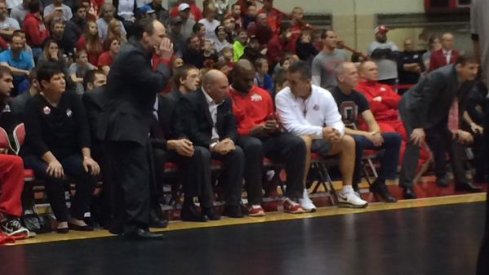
{"points": [[453, 117], [447, 57]]}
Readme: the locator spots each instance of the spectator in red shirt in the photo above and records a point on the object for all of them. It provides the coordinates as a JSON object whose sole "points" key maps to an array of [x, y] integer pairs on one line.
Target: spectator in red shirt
{"points": [[260, 135], [261, 30], [34, 28], [107, 58], [280, 45], [446, 55], [298, 25], [196, 13], [91, 43], [236, 14], [274, 16]]}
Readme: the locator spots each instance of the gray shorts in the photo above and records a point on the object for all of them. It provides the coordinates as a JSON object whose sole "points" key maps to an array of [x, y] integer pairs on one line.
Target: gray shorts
{"points": [[321, 146]]}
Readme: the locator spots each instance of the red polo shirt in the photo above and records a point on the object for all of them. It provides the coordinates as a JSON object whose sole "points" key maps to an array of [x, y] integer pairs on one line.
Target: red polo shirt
{"points": [[251, 109]]}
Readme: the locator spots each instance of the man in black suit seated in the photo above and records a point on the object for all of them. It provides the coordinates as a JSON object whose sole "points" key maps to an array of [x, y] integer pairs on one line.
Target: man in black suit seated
{"points": [[432, 109], [194, 167], [208, 121], [170, 145]]}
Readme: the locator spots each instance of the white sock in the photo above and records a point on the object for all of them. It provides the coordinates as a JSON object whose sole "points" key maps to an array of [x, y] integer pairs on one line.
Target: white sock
{"points": [[347, 189]]}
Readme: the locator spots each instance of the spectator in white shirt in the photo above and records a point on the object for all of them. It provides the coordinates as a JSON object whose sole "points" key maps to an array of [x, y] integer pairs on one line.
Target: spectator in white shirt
{"points": [[7, 25], [311, 112], [210, 23], [57, 10]]}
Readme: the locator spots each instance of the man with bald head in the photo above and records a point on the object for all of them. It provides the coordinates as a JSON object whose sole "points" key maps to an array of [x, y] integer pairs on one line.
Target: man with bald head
{"points": [[208, 121], [124, 126], [260, 135], [354, 107], [446, 55]]}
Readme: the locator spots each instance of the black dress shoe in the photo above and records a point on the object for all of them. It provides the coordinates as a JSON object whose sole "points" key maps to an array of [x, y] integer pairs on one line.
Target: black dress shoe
{"points": [[63, 230], [442, 181], [233, 211], [380, 189], [80, 227], [210, 214], [191, 214], [157, 220], [408, 193], [142, 234], [467, 187]]}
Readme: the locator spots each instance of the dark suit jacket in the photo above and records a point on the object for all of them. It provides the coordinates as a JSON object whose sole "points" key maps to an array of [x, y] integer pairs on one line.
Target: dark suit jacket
{"points": [[166, 127], [197, 122], [438, 60], [130, 95], [428, 103], [94, 103]]}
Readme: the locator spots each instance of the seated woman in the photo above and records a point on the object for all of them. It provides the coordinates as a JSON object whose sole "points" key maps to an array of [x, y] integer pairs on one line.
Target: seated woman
{"points": [[90, 42], [58, 143], [51, 53], [106, 59]]}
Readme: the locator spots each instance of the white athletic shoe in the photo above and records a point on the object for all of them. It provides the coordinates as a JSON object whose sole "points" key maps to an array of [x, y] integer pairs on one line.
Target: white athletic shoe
{"points": [[351, 200], [307, 203]]}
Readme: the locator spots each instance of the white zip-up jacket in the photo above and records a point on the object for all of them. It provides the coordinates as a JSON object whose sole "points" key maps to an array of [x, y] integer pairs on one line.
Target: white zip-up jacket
{"points": [[308, 117]]}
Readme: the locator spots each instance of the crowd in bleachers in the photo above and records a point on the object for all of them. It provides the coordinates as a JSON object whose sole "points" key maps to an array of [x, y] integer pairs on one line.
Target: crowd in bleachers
{"points": [[250, 84]]}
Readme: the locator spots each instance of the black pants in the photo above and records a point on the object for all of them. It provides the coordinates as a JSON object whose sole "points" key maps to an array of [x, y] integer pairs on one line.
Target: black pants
{"points": [[132, 178], [194, 172], [283, 148], [232, 173], [73, 167], [440, 141]]}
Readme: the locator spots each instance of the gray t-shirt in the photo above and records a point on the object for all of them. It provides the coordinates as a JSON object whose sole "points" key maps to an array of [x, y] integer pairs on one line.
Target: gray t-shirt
{"points": [[323, 66], [18, 13], [479, 24], [9, 23], [387, 67], [67, 14]]}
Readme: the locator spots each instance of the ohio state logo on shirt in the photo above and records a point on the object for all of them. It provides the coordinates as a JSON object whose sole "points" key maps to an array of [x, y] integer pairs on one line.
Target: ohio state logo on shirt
{"points": [[383, 89], [46, 110], [256, 98]]}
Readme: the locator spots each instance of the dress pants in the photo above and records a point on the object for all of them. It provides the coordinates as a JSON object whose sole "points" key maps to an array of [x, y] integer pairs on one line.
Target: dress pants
{"points": [[73, 167], [11, 185], [282, 147], [440, 140], [132, 164], [232, 173], [195, 173], [389, 159]]}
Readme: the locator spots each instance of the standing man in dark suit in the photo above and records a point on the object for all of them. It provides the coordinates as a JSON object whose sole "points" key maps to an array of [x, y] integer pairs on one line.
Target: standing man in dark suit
{"points": [[208, 121], [479, 17], [446, 55], [125, 126], [432, 110]]}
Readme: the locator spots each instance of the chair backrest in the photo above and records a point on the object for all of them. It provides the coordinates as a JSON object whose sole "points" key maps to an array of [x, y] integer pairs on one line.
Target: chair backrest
{"points": [[19, 137], [4, 140]]}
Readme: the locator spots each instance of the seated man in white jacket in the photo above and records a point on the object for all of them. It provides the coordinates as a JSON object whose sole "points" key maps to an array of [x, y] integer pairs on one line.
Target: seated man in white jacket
{"points": [[311, 112]]}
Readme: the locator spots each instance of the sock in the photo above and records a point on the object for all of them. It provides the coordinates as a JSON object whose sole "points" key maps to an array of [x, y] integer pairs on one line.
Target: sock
{"points": [[347, 189]]}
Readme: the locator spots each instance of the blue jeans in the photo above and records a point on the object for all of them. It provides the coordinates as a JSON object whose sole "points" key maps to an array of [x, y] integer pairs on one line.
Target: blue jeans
{"points": [[389, 159]]}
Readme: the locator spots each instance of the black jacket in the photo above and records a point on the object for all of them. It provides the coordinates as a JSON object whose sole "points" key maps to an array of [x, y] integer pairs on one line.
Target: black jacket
{"points": [[131, 90], [166, 127], [428, 103], [197, 122]]}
